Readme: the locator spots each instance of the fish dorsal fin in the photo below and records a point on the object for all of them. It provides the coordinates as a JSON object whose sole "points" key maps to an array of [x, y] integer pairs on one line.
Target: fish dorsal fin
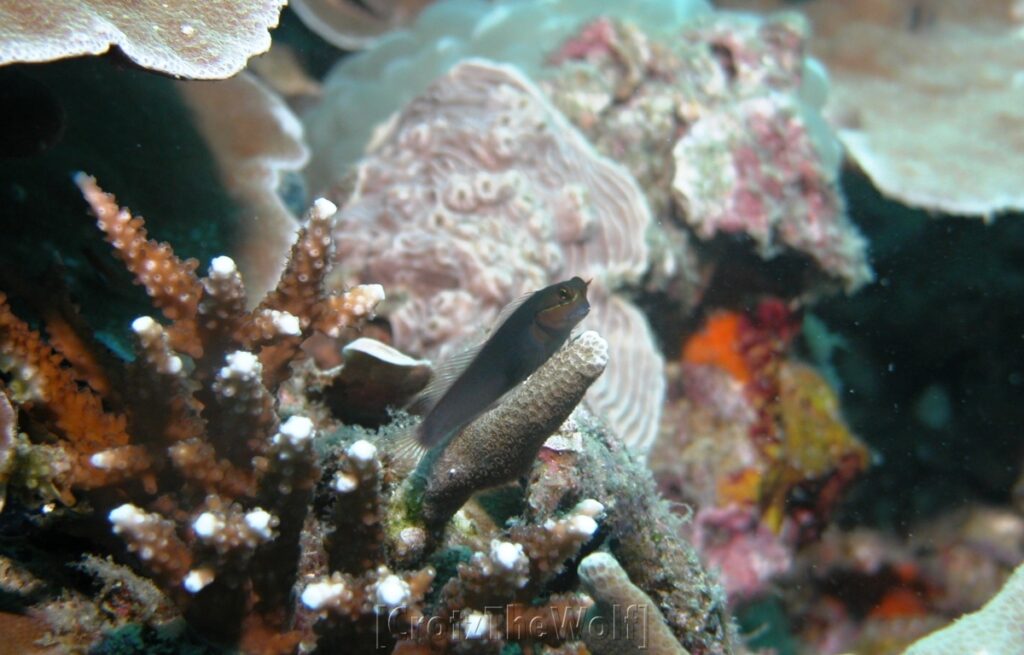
{"points": [[452, 367], [510, 309]]}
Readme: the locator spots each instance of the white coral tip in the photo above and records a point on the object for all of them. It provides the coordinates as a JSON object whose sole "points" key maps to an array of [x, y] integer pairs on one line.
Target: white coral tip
{"points": [[104, 460], [318, 595], [207, 525], [589, 507], [297, 429], [196, 580], [374, 293], [241, 363], [260, 521], [392, 592], [362, 451], [145, 325], [324, 208], [126, 515], [222, 267], [583, 525], [344, 483], [507, 554], [287, 324]]}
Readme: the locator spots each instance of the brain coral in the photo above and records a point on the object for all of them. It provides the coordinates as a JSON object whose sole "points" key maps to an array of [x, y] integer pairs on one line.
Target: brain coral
{"points": [[480, 191]]}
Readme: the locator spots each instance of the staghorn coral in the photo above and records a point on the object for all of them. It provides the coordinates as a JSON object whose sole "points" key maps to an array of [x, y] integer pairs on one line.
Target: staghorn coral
{"points": [[356, 505], [480, 191], [272, 539], [209, 41], [220, 486]]}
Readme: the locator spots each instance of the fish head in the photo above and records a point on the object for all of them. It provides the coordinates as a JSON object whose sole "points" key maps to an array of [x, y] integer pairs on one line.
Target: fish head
{"points": [[563, 305]]}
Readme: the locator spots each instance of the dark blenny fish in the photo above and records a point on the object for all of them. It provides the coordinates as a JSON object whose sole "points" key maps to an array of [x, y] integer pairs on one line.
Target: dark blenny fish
{"points": [[534, 329]]}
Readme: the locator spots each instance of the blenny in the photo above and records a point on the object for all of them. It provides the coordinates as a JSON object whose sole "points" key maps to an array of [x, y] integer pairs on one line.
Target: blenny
{"points": [[529, 330]]}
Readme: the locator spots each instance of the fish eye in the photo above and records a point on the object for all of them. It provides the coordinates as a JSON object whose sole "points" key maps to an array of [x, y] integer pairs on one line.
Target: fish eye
{"points": [[563, 293]]}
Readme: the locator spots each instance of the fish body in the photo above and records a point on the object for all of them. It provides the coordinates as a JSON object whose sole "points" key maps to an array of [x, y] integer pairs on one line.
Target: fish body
{"points": [[533, 330]]}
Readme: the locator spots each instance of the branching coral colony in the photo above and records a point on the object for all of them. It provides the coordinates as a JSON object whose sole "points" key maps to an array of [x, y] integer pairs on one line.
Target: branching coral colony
{"points": [[201, 465]]}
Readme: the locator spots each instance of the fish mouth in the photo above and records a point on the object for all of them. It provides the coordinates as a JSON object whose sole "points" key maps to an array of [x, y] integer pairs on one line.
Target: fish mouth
{"points": [[580, 312]]}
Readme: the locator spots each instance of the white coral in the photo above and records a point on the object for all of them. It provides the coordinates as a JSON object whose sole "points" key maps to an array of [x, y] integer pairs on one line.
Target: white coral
{"points": [[995, 629]]}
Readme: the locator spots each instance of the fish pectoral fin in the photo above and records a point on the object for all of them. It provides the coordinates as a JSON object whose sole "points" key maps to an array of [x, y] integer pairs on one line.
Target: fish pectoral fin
{"points": [[442, 380], [404, 448]]}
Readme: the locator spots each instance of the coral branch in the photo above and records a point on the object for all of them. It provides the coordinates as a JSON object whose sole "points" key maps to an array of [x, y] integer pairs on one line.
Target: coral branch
{"points": [[169, 281], [636, 622], [503, 443], [40, 382]]}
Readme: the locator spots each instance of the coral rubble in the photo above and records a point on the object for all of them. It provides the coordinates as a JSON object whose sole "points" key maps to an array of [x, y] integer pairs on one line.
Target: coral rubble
{"points": [[209, 41]]}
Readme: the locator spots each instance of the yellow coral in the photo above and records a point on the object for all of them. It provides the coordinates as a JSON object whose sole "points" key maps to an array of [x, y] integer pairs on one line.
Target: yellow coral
{"points": [[816, 443]]}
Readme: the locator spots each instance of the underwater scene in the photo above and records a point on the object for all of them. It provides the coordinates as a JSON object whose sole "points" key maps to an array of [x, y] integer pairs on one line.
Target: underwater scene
{"points": [[512, 327]]}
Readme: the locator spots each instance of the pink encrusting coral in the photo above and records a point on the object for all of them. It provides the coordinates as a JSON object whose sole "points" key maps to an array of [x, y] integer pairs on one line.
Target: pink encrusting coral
{"points": [[913, 82], [479, 191], [208, 40], [747, 554], [750, 168], [721, 127]]}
